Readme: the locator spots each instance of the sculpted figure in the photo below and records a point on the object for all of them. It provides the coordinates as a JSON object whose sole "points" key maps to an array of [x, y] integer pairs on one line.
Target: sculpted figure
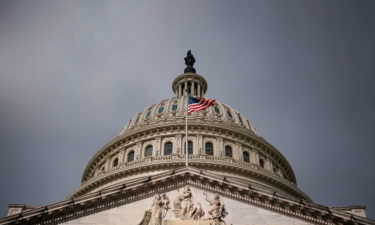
{"points": [[189, 59], [217, 211], [159, 208], [189, 62], [165, 205], [183, 203], [197, 212]]}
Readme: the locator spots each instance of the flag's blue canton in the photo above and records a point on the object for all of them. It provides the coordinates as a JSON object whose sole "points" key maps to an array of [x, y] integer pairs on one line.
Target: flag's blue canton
{"points": [[193, 100]]}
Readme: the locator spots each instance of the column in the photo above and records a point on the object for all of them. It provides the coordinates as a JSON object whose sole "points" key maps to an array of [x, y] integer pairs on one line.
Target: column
{"points": [[137, 151], [199, 91], [219, 151], [121, 156], [157, 146], [179, 144], [185, 89], [237, 152], [192, 88], [199, 144], [254, 157], [179, 91], [107, 164], [268, 163]]}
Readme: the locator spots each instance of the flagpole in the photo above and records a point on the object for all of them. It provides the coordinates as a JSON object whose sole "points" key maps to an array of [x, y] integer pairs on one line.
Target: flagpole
{"points": [[186, 130]]}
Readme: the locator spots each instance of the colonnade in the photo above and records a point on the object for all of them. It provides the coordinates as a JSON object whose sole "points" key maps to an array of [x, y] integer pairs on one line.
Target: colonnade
{"points": [[191, 88]]}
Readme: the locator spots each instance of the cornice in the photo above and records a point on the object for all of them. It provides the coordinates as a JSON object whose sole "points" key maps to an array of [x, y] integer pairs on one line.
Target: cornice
{"points": [[200, 161], [141, 188]]}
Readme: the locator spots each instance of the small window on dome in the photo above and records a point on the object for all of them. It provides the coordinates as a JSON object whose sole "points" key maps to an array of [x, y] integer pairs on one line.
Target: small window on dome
{"points": [[148, 114], [228, 151], [229, 114], [174, 107], [168, 148], [148, 151], [131, 156], [115, 162], [209, 148], [190, 147], [261, 163], [217, 110], [246, 157], [161, 110]]}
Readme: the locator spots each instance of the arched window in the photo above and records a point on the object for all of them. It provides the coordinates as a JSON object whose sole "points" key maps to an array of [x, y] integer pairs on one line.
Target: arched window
{"points": [[115, 162], [168, 148], [228, 151], [131, 156], [190, 147], [209, 148], [148, 151], [246, 157], [261, 163]]}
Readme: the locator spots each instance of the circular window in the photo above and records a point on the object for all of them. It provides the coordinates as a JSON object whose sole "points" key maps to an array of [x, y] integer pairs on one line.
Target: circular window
{"points": [[161, 110], [174, 107]]}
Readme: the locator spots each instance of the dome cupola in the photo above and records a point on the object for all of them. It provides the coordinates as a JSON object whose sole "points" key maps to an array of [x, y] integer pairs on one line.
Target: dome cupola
{"points": [[189, 83]]}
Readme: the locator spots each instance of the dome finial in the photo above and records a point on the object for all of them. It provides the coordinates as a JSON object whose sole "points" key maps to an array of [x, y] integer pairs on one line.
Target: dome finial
{"points": [[189, 62]]}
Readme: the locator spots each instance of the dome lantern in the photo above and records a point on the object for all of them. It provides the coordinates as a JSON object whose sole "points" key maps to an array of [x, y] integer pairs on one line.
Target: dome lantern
{"points": [[189, 83]]}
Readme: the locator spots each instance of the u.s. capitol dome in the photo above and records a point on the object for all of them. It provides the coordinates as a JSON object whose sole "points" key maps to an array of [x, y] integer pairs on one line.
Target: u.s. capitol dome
{"points": [[220, 140]]}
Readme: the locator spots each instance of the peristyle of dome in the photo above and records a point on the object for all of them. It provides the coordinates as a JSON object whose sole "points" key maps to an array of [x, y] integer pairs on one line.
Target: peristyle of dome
{"points": [[220, 140]]}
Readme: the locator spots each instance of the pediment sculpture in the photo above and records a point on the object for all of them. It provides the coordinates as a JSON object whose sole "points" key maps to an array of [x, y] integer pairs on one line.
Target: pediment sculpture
{"points": [[159, 209], [185, 209]]}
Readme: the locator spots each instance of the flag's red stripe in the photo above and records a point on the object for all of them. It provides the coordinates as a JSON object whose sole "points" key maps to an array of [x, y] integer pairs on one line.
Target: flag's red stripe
{"points": [[203, 104]]}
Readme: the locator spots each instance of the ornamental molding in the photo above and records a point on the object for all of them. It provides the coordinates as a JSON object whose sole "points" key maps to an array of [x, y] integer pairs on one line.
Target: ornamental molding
{"points": [[131, 136], [142, 188], [201, 161]]}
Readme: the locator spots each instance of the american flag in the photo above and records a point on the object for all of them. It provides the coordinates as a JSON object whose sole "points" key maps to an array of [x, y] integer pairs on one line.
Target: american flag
{"points": [[198, 104]]}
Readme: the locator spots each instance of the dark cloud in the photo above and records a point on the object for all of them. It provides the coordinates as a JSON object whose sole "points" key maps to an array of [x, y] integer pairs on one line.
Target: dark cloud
{"points": [[73, 73]]}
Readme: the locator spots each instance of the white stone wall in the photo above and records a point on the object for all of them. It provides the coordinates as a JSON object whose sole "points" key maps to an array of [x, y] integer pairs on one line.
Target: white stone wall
{"points": [[239, 213]]}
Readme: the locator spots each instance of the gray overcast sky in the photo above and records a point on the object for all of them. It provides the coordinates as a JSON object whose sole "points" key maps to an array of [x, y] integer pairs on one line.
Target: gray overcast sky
{"points": [[72, 73]]}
